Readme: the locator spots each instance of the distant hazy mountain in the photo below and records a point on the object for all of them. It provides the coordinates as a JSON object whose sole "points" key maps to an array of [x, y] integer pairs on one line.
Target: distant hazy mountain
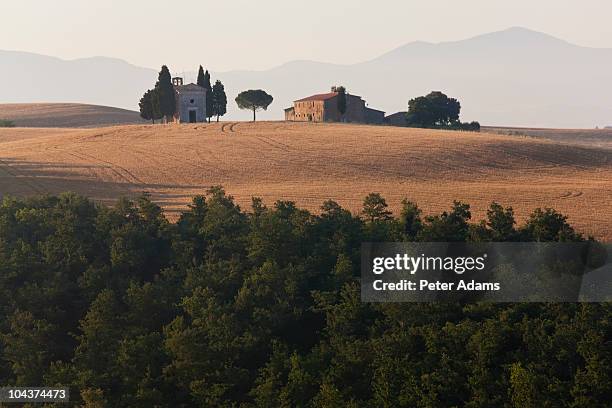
{"points": [[27, 77], [514, 77]]}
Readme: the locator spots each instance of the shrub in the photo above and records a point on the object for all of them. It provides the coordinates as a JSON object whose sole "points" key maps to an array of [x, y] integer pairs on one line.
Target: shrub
{"points": [[466, 126]]}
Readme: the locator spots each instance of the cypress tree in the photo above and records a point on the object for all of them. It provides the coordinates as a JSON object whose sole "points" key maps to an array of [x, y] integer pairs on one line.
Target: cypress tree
{"points": [[155, 110], [341, 101], [165, 92], [201, 77], [146, 106], [149, 105], [204, 82], [219, 100]]}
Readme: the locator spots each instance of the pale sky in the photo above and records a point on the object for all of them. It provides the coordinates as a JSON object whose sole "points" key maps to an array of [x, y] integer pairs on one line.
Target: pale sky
{"points": [[258, 34]]}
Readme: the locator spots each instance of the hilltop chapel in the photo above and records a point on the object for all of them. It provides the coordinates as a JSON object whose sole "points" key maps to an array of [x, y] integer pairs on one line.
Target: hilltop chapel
{"points": [[190, 102]]}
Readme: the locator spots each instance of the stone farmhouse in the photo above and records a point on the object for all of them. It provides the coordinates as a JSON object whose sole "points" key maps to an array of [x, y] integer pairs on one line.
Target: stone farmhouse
{"points": [[324, 108], [190, 102]]}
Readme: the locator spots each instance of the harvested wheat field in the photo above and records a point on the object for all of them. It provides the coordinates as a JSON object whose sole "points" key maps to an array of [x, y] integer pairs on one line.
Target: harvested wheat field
{"points": [[585, 137], [310, 163], [66, 115]]}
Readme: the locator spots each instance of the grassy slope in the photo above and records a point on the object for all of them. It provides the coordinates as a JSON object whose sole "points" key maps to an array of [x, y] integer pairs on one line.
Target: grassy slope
{"points": [[66, 115]]}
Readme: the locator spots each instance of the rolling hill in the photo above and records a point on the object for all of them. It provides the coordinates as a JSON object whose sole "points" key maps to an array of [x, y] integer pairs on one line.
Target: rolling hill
{"points": [[515, 77], [66, 115], [583, 137], [310, 163]]}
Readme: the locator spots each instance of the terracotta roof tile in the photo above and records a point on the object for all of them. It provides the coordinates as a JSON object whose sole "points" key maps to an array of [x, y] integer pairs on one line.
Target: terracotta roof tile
{"points": [[319, 97]]}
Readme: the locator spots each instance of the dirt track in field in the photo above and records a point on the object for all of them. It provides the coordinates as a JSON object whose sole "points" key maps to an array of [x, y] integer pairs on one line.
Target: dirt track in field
{"points": [[309, 163]]}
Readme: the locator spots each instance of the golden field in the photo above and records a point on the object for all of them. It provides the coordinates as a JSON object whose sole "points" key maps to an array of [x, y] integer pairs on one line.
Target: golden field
{"points": [[310, 163], [587, 137]]}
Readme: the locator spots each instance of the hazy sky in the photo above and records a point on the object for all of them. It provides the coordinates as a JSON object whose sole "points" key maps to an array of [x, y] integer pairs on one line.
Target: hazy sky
{"points": [[259, 34]]}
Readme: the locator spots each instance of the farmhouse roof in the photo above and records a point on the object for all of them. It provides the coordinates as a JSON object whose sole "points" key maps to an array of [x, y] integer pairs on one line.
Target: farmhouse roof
{"points": [[189, 88], [402, 113], [375, 110], [319, 97]]}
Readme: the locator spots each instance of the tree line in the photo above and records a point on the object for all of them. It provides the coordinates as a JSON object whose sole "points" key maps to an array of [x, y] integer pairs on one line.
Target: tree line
{"points": [[261, 308], [160, 102], [6, 123]]}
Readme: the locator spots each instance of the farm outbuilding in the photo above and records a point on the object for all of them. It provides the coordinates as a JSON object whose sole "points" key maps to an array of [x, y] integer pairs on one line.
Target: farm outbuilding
{"points": [[397, 119]]}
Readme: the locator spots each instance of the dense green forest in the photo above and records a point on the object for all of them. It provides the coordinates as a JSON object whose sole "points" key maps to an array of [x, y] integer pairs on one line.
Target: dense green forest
{"points": [[261, 308]]}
